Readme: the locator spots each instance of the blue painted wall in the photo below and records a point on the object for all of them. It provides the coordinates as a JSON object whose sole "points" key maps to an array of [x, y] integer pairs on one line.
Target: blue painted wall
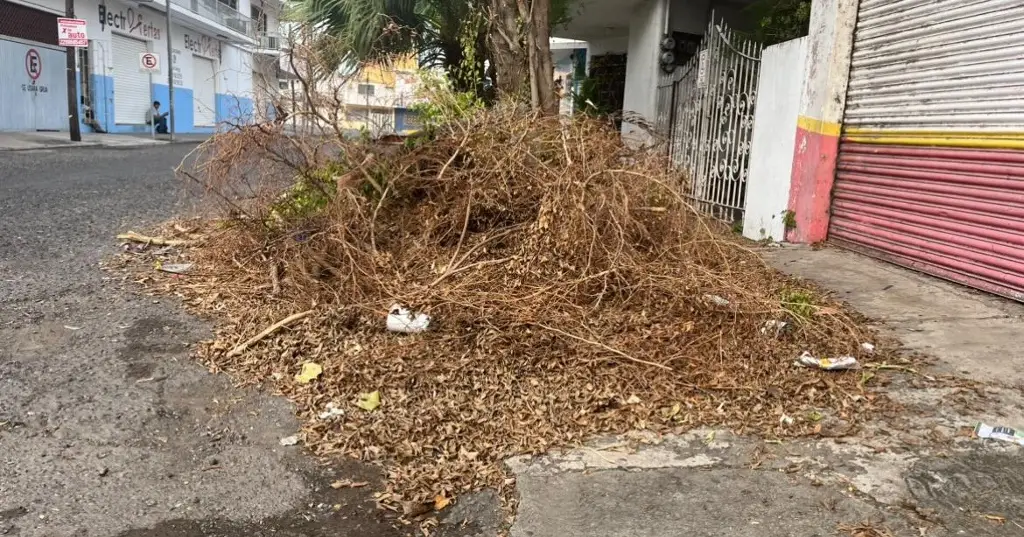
{"points": [[103, 100], [230, 109], [233, 110]]}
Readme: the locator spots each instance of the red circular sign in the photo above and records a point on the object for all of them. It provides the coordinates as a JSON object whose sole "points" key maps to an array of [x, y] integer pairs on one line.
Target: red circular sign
{"points": [[149, 60], [33, 64]]}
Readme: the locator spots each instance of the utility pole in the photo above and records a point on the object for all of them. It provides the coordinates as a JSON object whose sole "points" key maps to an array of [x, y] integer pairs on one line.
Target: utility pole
{"points": [[73, 121], [170, 73]]}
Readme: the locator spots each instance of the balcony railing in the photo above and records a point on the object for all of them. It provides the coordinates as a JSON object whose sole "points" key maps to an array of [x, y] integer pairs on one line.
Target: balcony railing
{"points": [[269, 42], [218, 12]]}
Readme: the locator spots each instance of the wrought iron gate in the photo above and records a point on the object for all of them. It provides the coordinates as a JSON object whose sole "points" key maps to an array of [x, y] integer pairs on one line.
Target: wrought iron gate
{"points": [[706, 114]]}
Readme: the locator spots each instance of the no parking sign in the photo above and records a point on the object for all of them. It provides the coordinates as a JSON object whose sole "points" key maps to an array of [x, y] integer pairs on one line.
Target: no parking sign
{"points": [[149, 62]]}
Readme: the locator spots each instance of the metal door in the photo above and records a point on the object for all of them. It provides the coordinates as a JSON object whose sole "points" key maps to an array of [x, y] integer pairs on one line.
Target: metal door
{"points": [[132, 95], [33, 87], [204, 92], [706, 110], [931, 167]]}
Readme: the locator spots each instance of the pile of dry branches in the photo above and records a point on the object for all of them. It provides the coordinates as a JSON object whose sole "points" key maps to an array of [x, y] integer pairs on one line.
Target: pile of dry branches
{"points": [[574, 293]]}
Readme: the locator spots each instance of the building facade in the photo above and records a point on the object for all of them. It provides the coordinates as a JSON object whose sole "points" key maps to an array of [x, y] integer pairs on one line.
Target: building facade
{"points": [[215, 44]]}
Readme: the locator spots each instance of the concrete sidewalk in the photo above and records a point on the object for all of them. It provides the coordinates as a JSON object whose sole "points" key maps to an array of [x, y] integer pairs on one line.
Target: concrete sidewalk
{"points": [[25, 141], [911, 475]]}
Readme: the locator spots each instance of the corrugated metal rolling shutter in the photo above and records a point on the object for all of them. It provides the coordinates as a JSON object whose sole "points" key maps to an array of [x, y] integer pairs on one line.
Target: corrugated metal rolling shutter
{"points": [[131, 87], [931, 163], [204, 92]]}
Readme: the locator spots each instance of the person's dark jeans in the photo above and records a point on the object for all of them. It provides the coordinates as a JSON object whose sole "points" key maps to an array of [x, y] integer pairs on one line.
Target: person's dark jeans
{"points": [[161, 125]]}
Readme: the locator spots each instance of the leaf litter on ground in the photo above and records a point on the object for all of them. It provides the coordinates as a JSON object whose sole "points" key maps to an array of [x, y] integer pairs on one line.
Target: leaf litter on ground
{"points": [[567, 280]]}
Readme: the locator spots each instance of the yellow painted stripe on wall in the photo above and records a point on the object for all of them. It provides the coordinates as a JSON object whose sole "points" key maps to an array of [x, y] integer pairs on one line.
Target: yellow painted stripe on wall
{"points": [[967, 139], [818, 126]]}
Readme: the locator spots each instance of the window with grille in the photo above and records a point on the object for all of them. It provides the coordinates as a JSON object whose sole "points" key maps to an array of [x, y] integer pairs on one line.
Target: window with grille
{"points": [[366, 89]]}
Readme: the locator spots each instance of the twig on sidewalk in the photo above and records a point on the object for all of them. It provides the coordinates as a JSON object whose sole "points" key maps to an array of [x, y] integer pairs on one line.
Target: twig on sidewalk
{"points": [[156, 241], [273, 328]]}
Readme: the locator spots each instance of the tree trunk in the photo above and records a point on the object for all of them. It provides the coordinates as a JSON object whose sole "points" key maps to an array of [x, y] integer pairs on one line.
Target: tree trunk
{"points": [[543, 66], [536, 13], [508, 54]]}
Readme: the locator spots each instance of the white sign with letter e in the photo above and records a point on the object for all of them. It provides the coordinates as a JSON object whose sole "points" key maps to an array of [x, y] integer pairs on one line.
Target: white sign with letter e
{"points": [[71, 33], [149, 62]]}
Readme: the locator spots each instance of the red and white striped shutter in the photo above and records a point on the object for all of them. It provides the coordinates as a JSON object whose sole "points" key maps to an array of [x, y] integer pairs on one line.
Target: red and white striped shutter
{"points": [[931, 162]]}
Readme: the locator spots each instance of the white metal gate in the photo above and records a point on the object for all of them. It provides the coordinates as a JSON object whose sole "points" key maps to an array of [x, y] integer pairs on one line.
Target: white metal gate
{"points": [[131, 87], [706, 112], [204, 92]]}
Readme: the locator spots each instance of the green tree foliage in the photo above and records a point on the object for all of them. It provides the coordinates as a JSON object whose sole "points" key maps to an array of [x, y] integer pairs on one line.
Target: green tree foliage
{"points": [[449, 34], [780, 20]]}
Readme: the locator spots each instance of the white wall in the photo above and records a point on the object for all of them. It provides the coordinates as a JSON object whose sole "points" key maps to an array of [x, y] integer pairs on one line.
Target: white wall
{"points": [[610, 45], [779, 91], [642, 70]]}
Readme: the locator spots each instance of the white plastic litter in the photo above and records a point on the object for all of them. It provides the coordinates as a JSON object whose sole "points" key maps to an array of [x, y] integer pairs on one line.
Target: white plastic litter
{"points": [[775, 328], [176, 268], [401, 320], [289, 440], [716, 300], [1005, 434], [867, 347], [331, 411], [828, 364]]}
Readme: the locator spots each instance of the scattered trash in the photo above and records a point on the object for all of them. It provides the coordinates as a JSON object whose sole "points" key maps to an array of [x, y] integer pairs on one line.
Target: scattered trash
{"points": [[175, 268], [348, 484], [999, 433], [716, 300], [775, 328], [402, 320], [633, 400], [867, 347], [289, 440], [786, 420], [310, 372], [828, 364], [369, 401], [73, 327], [163, 251], [331, 411], [134, 247]]}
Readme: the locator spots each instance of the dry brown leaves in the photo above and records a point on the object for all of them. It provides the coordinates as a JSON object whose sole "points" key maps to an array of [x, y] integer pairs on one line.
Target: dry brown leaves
{"points": [[865, 530], [575, 294]]}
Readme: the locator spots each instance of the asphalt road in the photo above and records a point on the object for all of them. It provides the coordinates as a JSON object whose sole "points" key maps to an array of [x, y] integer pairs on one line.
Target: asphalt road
{"points": [[106, 426]]}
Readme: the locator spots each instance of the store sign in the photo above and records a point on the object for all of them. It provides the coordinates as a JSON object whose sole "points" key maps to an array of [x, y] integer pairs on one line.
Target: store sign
{"points": [[71, 33], [130, 21], [179, 79], [203, 45]]}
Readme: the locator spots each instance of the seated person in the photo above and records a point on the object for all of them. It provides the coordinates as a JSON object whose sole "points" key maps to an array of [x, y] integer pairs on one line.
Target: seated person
{"points": [[157, 118]]}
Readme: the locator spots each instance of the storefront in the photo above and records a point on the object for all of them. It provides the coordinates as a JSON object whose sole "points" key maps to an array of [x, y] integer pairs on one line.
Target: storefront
{"points": [[117, 94], [212, 77], [931, 161]]}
